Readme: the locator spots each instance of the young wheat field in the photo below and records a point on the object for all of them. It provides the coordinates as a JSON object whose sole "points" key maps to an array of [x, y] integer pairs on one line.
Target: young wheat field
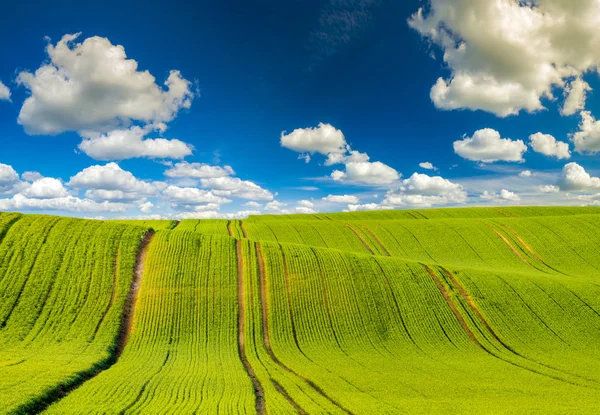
{"points": [[470, 310]]}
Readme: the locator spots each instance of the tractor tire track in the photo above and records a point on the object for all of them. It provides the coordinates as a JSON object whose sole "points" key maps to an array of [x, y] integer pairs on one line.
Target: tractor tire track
{"points": [[361, 239], [40, 403], [385, 251], [258, 389]]}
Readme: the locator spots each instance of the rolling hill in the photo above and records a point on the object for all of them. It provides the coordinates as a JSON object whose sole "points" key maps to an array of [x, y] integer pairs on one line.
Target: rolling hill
{"points": [[478, 310]]}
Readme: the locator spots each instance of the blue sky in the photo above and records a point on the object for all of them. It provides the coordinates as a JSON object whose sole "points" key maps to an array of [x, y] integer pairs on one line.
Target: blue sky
{"points": [[368, 89]]}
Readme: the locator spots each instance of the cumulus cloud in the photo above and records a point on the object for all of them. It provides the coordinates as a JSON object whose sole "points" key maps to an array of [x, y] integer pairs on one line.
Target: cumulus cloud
{"points": [[329, 141], [424, 191], [503, 196], [128, 143], [306, 203], [92, 87], [549, 188], [323, 139], [366, 172], [505, 56], [575, 92], [587, 139], [487, 146], [574, 178], [46, 188], [111, 177], [9, 179], [4, 92], [526, 173], [547, 145], [368, 206], [235, 187], [67, 203], [184, 197], [198, 171], [276, 206], [31, 176], [252, 204], [346, 199], [427, 166]]}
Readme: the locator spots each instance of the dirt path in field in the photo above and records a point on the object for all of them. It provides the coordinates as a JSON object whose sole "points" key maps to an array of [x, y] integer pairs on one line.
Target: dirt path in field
{"points": [[361, 239], [39, 404], [385, 251], [229, 228], [258, 390], [243, 230], [265, 329], [512, 248]]}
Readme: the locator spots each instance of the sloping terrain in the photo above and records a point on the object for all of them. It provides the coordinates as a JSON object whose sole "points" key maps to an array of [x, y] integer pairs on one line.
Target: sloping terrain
{"points": [[443, 311]]}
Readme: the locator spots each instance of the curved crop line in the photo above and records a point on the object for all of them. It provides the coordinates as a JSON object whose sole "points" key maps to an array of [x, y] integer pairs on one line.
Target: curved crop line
{"points": [[473, 306], [265, 330], [361, 239], [472, 336], [229, 228], [245, 235], [173, 225], [258, 389], [507, 242], [385, 251], [113, 295], [59, 391]]}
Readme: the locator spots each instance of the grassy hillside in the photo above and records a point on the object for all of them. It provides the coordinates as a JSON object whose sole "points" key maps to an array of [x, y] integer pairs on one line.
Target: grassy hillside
{"points": [[471, 311]]}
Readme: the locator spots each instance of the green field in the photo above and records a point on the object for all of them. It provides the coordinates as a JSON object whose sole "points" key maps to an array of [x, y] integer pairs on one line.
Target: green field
{"points": [[471, 310]]}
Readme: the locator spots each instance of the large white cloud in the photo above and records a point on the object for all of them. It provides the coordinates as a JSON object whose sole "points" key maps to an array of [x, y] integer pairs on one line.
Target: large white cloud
{"points": [[4, 92], [92, 87], [587, 139], [111, 177], [576, 92], [487, 146], [130, 143], [191, 196], [549, 146], [198, 171], [323, 139], [504, 56], [574, 178]]}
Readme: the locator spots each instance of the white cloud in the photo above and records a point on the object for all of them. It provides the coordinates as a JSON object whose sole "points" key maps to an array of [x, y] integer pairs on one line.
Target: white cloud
{"points": [[9, 179], [366, 172], [576, 92], [425, 191], [31, 176], [198, 171], [234, 187], [122, 144], [275, 206], [67, 203], [4, 92], [305, 210], [323, 139], [547, 145], [526, 173], [587, 139], [504, 56], [92, 86], [306, 203], [111, 177], [574, 178], [487, 146], [427, 166], [549, 188], [46, 188], [217, 215], [368, 206], [503, 196], [252, 204], [100, 195], [183, 197], [346, 199]]}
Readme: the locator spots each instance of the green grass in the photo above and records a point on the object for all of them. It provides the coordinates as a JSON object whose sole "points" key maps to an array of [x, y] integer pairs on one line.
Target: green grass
{"points": [[476, 310]]}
